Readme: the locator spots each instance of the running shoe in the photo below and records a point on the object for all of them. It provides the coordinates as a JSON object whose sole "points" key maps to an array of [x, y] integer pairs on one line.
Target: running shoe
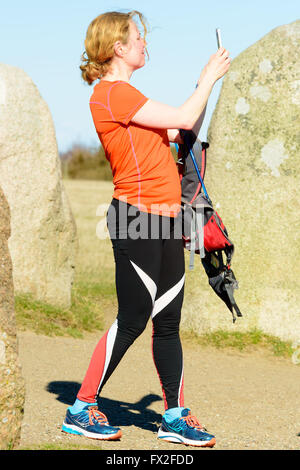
{"points": [[185, 429], [90, 422]]}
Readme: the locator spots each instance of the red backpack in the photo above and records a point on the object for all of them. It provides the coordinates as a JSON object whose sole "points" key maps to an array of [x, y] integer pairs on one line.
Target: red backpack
{"points": [[203, 231]]}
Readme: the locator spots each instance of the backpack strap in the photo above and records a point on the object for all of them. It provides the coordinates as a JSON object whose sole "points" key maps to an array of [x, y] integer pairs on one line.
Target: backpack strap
{"points": [[196, 234], [189, 139], [200, 230], [193, 239], [230, 283]]}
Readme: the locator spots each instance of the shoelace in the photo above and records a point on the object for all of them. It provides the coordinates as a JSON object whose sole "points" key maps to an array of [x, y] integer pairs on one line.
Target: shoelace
{"points": [[193, 422], [97, 415]]}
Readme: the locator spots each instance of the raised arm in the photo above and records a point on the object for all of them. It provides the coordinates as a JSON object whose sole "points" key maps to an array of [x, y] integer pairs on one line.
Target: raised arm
{"points": [[188, 115], [174, 134]]}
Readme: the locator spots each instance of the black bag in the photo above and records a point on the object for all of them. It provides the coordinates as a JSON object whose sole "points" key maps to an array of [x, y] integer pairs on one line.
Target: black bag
{"points": [[203, 231]]}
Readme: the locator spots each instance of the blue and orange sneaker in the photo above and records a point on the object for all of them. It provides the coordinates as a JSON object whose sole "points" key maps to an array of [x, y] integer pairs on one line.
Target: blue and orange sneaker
{"points": [[90, 422], [178, 425]]}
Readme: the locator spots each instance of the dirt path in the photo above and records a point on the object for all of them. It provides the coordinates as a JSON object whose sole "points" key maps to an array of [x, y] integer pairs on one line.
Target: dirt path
{"points": [[249, 401]]}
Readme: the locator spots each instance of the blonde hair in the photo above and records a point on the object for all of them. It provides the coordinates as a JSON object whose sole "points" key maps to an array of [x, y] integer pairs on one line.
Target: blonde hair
{"points": [[102, 34]]}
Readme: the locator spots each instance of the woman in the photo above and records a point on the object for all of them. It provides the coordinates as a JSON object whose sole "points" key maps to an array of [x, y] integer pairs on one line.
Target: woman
{"points": [[135, 133]]}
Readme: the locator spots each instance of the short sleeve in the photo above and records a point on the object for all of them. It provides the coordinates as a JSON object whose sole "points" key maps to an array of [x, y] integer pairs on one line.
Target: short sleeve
{"points": [[125, 101]]}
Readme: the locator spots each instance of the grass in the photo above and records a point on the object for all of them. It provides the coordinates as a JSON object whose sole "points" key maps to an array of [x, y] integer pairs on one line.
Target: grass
{"points": [[242, 341], [55, 446], [90, 302]]}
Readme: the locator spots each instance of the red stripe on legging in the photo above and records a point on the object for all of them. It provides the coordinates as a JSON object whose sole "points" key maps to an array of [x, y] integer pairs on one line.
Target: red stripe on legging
{"points": [[90, 384]]}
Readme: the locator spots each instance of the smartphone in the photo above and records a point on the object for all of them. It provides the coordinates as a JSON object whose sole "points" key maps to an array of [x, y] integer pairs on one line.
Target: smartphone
{"points": [[219, 40]]}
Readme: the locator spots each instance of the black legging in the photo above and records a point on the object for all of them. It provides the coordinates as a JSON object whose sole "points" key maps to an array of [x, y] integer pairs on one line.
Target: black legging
{"points": [[149, 282]]}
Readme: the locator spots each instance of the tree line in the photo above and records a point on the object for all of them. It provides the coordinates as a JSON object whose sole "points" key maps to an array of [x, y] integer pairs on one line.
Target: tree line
{"points": [[86, 163]]}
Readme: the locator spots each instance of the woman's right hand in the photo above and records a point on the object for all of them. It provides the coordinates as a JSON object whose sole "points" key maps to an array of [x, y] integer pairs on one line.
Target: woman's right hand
{"points": [[217, 65]]}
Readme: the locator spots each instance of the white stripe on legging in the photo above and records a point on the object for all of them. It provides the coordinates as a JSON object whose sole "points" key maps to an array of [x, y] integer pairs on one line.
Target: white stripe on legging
{"points": [[166, 298], [149, 283], [110, 341], [180, 385]]}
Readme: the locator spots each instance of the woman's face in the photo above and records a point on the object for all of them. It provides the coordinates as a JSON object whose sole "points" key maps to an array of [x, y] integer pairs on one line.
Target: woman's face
{"points": [[135, 48]]}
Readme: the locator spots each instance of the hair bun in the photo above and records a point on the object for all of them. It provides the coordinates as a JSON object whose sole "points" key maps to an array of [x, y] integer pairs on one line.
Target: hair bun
{"points": [[90, 70]]}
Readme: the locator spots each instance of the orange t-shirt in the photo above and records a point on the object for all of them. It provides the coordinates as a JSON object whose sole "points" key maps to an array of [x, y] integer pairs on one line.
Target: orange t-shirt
{"points": [[144, 171]]}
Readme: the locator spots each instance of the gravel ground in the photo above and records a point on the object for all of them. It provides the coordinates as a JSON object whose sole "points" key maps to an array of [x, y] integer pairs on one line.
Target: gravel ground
{"points": [[248, 400]]}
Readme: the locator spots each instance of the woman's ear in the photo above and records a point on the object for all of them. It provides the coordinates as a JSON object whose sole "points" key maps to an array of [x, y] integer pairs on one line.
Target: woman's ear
{"points": [[119, 49]]}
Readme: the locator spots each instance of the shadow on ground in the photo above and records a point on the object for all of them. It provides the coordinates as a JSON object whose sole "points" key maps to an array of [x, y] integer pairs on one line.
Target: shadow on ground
{"points": [[119, 413]]}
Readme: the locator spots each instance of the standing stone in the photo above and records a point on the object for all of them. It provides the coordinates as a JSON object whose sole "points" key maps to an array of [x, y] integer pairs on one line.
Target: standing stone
{"points": [[253, 177], [43, 238], [12, 389]]}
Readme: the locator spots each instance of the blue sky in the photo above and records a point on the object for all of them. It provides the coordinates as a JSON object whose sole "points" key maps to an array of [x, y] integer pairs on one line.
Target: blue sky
{"points": [[46, 40]]}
